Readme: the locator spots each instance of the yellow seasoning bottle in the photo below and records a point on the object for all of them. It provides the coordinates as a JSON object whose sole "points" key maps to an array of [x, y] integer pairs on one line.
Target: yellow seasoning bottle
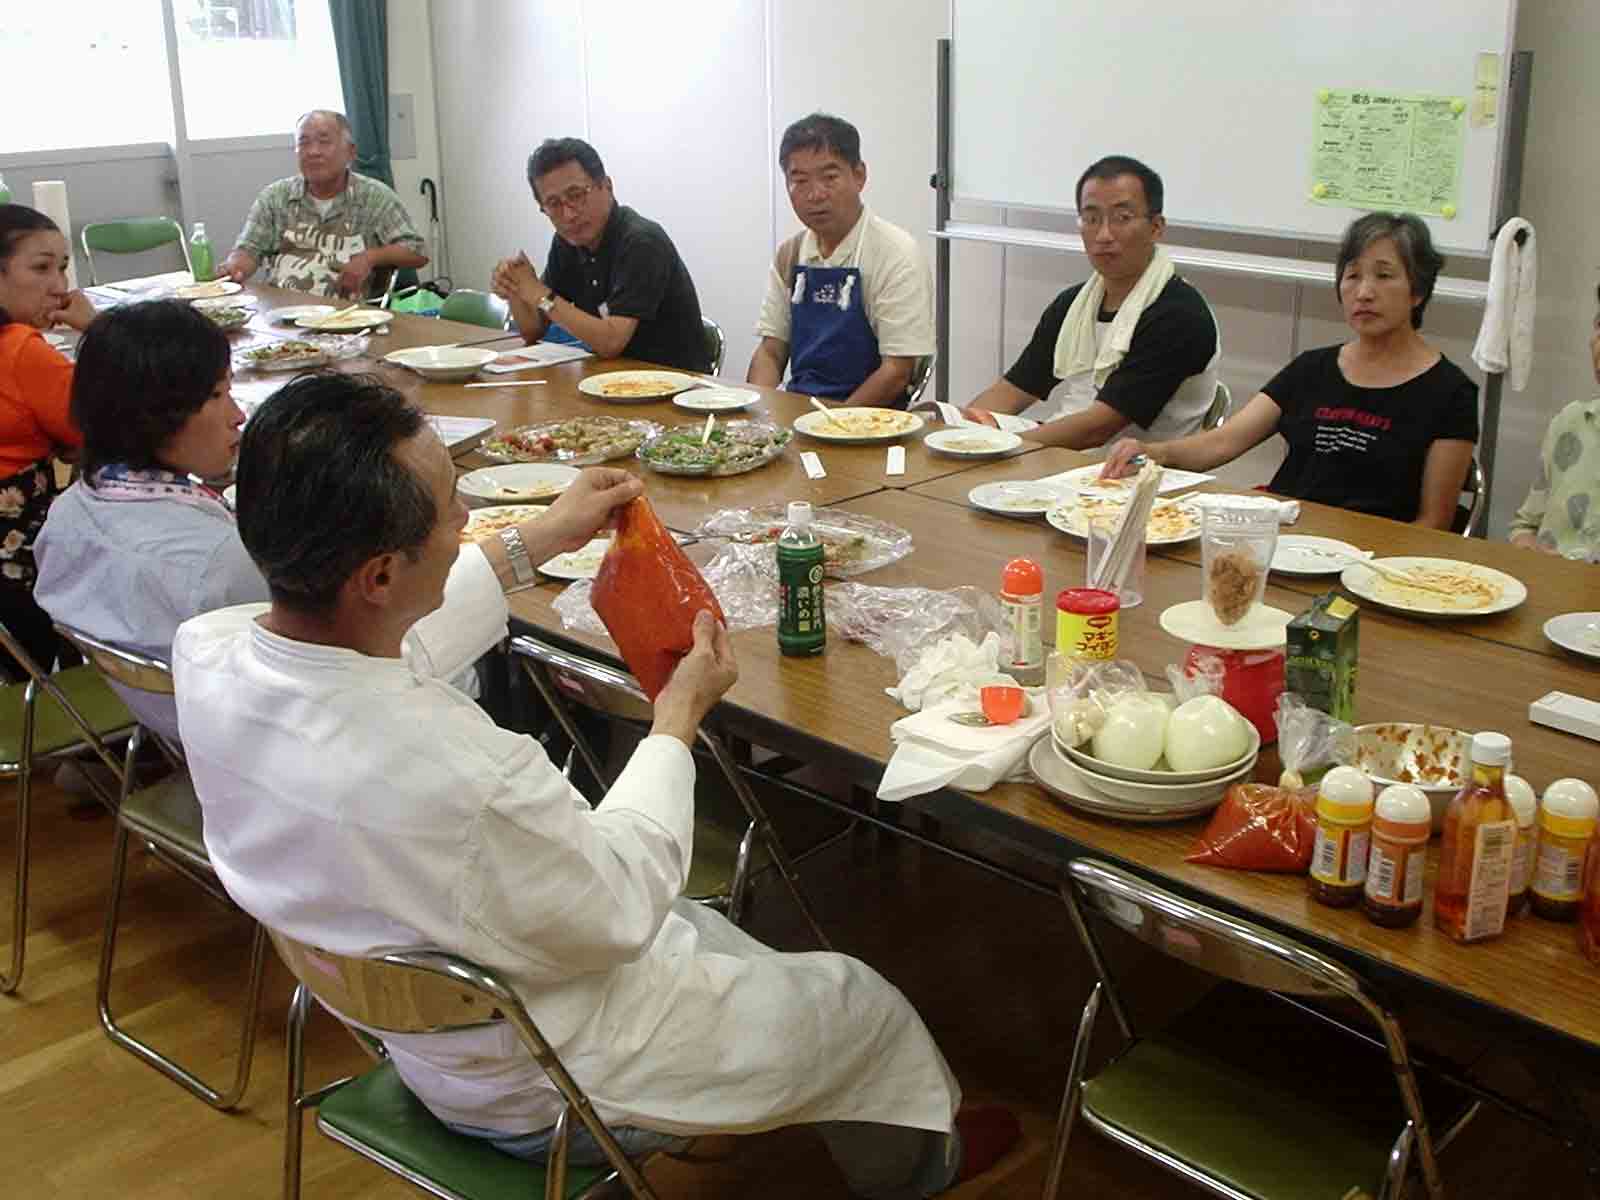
{"points": [[1566, 826], [1402, 822], [1344, 833], [1480, 835], [1525, 806]]}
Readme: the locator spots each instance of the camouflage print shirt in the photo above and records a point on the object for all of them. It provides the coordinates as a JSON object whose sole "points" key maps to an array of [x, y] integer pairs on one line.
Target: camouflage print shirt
{"points": [[1563, 505], [303, 249]]}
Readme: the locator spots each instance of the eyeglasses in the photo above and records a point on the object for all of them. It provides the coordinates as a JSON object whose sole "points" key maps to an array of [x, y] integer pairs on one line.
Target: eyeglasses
{"points": [[828, 182], [570, 200], [1118, 219]]}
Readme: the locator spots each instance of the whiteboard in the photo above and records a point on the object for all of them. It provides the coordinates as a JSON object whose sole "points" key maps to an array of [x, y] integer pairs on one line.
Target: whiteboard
{"points": [[1218, 96]]}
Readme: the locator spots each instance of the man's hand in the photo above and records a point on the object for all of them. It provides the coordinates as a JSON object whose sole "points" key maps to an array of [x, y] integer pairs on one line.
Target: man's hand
{"points": [[980, 416], [238, 266], [77, 311], [1529, 541], [702, 677], [353, 277], [1119, 461], [580, 512], [515, 279]]}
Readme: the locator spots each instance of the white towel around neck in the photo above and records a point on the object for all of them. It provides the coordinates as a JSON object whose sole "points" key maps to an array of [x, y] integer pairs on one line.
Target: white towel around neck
{"points": [[1505, 339], [1076, 353]]}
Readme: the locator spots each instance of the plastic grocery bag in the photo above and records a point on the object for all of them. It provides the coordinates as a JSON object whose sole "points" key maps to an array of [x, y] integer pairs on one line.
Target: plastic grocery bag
{"points": [[1310, 742], [647, 593], [1260, 828]]}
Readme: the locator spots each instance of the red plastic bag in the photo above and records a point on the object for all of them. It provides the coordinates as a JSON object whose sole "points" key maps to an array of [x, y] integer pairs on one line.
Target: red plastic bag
{"points": [[1260, 828], [648, 592]]}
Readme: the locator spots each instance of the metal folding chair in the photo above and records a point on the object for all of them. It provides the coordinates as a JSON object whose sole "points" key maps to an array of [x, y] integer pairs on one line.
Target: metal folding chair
{"points": [[78, 712], [921, 376], [374, 1114], [716, 344], [131, 235], [1221, 406], [166, 818], [1201, 1098], [562, 677], [476, 308], [1470, 511]]}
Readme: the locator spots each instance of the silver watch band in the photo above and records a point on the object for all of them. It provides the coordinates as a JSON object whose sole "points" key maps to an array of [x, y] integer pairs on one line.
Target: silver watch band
{"points": [[548, 304], [517, 554]]}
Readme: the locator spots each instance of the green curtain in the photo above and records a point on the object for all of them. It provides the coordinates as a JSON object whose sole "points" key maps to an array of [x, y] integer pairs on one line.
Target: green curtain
{"points": [[361, 37]]}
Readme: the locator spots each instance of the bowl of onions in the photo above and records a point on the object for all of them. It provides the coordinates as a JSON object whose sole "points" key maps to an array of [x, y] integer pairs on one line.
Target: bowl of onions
{"points": [[1144, 740]]}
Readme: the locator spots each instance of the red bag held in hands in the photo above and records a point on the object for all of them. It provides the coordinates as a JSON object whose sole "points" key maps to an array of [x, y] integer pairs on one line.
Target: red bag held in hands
{"points": [[648, 592]]}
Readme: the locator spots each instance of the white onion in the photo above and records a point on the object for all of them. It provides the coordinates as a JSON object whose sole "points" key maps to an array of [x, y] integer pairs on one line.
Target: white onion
{"points": [[1134, 733], [1205, 732]]}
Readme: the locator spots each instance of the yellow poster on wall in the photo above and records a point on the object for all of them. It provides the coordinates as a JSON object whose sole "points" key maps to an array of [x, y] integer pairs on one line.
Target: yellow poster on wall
{"points": [[1387, 150]]}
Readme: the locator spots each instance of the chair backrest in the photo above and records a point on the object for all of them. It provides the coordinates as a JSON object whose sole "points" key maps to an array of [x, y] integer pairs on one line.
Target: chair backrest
{"points": [[594, 685], [921, 375], [131, 235], [1221, 406], [1221, 945], [120, 665], [476, 308], [716, 344], [1470, 511]]}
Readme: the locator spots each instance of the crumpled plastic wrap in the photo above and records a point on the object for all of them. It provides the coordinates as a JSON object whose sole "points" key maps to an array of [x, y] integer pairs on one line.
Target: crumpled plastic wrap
{"points": [[853, 543], [1310, 742], [1082, 691], [1201, 677], [951, 668]]}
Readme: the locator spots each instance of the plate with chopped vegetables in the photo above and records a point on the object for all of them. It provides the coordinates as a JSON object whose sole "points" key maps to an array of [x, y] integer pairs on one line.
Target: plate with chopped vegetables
{"points": [[227, 317], [577, 441], [284, 356], [733, 448]]}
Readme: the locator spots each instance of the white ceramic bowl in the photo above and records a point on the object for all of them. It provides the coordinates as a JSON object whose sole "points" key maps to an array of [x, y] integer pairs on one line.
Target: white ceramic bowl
{"points": [[1159, 773], [1435, 758], [443, 364], [1156, 797]]}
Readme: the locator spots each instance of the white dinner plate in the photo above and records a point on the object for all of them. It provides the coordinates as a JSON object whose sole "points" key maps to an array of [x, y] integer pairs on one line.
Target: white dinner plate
{"points": [[858, 426], [1578, 632], [636, 387], [230, 301], [1088, 479], [349, 321], [518, 483], [486, 522], [1067, 784], [442, 364], [972, 442], [207, 291], [715, 399], [293, 313], [1369, 585], [1070, 518], [582, 563], [1023, 499], [1303, 554]]}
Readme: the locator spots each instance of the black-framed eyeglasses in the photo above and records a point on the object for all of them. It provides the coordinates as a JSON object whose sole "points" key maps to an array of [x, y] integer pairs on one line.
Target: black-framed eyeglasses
{"points": [[1119, 218], [570, 200]]}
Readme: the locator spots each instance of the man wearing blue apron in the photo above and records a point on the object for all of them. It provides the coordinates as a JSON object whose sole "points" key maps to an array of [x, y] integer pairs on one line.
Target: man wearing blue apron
{"points": [[849, 303]]}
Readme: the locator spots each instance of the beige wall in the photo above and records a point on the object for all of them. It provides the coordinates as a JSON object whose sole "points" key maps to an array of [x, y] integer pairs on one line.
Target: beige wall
{"points": [[411, 70]]}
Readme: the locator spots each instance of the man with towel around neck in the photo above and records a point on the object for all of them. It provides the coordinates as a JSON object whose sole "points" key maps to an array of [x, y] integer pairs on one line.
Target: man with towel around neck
{"points": [[1134, 347]]}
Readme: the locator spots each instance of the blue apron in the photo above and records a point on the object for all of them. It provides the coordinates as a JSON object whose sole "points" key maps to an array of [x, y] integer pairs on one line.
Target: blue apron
{"points": [[832, 349]]}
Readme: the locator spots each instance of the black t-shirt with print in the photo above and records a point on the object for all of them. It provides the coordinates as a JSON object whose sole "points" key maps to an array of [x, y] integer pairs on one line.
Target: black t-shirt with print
{"points": [[1175, 337], [635, 272], [1365, 448]]}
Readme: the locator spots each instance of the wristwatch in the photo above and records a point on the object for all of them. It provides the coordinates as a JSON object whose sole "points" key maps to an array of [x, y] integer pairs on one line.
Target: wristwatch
{"points": [[548, 304], [517, 554]]}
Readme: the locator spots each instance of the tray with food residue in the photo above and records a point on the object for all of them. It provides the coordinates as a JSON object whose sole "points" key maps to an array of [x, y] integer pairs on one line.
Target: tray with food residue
{"points": [[852, 544]]}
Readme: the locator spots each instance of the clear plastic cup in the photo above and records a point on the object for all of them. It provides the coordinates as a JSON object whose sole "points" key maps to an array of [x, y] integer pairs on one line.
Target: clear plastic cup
{"points": [[1101, 534]]}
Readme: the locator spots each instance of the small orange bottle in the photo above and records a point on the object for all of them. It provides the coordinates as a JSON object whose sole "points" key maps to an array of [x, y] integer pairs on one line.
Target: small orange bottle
{"points": [[1525, 805], [1476, 850], [1401, 826], [1589, 913], [1344, 837], [1022, 600], [1566, 829]]}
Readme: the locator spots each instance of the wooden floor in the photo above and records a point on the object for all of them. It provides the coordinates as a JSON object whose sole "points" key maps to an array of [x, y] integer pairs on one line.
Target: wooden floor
{"points": [[994, 970]]}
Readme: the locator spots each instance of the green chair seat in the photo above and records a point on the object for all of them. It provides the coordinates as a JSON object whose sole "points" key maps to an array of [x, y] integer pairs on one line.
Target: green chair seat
{"points": [[168, 812], [53, 730], [378, 1112], [1249, 1091], [475, 308]]}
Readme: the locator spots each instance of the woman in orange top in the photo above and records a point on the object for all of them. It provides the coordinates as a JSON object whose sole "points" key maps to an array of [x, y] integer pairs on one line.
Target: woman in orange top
{"points": [[35, 391]]}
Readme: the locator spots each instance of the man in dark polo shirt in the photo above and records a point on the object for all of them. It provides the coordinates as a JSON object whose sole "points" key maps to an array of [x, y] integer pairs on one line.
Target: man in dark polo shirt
{"points": [[613, 279]]}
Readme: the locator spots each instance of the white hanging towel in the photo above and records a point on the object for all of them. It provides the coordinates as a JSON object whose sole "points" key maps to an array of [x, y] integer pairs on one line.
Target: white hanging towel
{"points": [[1505, 339]]}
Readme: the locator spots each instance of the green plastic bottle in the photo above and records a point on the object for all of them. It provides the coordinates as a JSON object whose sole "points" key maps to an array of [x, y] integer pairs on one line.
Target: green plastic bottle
{"points": [[202, 259], [801, 619]]}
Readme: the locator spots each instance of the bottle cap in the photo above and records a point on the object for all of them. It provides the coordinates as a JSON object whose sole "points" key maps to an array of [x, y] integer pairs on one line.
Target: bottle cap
{"points": [[800, 512], [1089, 602], [1491, 749], [1345, 794], [1570, 808], [1520, 794], [1405, 804], [1022, 577]]}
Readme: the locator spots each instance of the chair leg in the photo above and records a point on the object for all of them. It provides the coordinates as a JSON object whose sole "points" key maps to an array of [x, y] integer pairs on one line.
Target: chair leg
{"points": [[19, 898], [739, 891], [1399, 1166], [293, 1125], [1072, 1097], [555, 1167], [223, 1100]]}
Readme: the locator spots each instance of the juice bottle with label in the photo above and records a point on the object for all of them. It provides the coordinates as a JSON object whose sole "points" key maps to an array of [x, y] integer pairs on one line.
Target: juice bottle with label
{"points": [[1566, 827], [1476, 850], [1401, 826], [202, 259], [1344, 837]]}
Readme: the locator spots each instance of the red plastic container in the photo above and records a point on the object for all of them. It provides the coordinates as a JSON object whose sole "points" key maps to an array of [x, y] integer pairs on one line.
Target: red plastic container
{"points": [[1252, 681]]}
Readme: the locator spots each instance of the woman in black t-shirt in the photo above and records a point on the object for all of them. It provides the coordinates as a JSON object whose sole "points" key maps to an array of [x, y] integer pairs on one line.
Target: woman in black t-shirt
{"points": [[1383, 424]]}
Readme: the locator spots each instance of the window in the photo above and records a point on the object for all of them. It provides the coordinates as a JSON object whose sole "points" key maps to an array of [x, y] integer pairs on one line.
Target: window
{"points": [[251, 67], [96, 72]]}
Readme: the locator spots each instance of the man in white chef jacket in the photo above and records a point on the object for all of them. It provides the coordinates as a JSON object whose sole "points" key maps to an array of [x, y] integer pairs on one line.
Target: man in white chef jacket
{"points": [[354, 801]]}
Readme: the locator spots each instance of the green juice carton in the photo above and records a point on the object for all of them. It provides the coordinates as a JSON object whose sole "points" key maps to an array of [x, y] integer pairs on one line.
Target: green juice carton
{"points": [[1321, 655]]}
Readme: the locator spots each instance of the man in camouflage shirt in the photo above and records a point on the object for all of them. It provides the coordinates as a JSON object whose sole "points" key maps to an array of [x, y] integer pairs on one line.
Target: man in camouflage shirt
{"points": [[327, 229]]}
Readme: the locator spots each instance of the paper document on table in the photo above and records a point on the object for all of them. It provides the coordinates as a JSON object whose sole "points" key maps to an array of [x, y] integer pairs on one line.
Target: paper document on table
{"points": [[1387, 150], [538, 355], [457, 431], [1009, 423]]}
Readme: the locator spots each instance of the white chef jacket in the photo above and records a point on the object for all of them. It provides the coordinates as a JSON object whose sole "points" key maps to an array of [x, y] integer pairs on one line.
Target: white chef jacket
{"points": [[357, 804]]}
